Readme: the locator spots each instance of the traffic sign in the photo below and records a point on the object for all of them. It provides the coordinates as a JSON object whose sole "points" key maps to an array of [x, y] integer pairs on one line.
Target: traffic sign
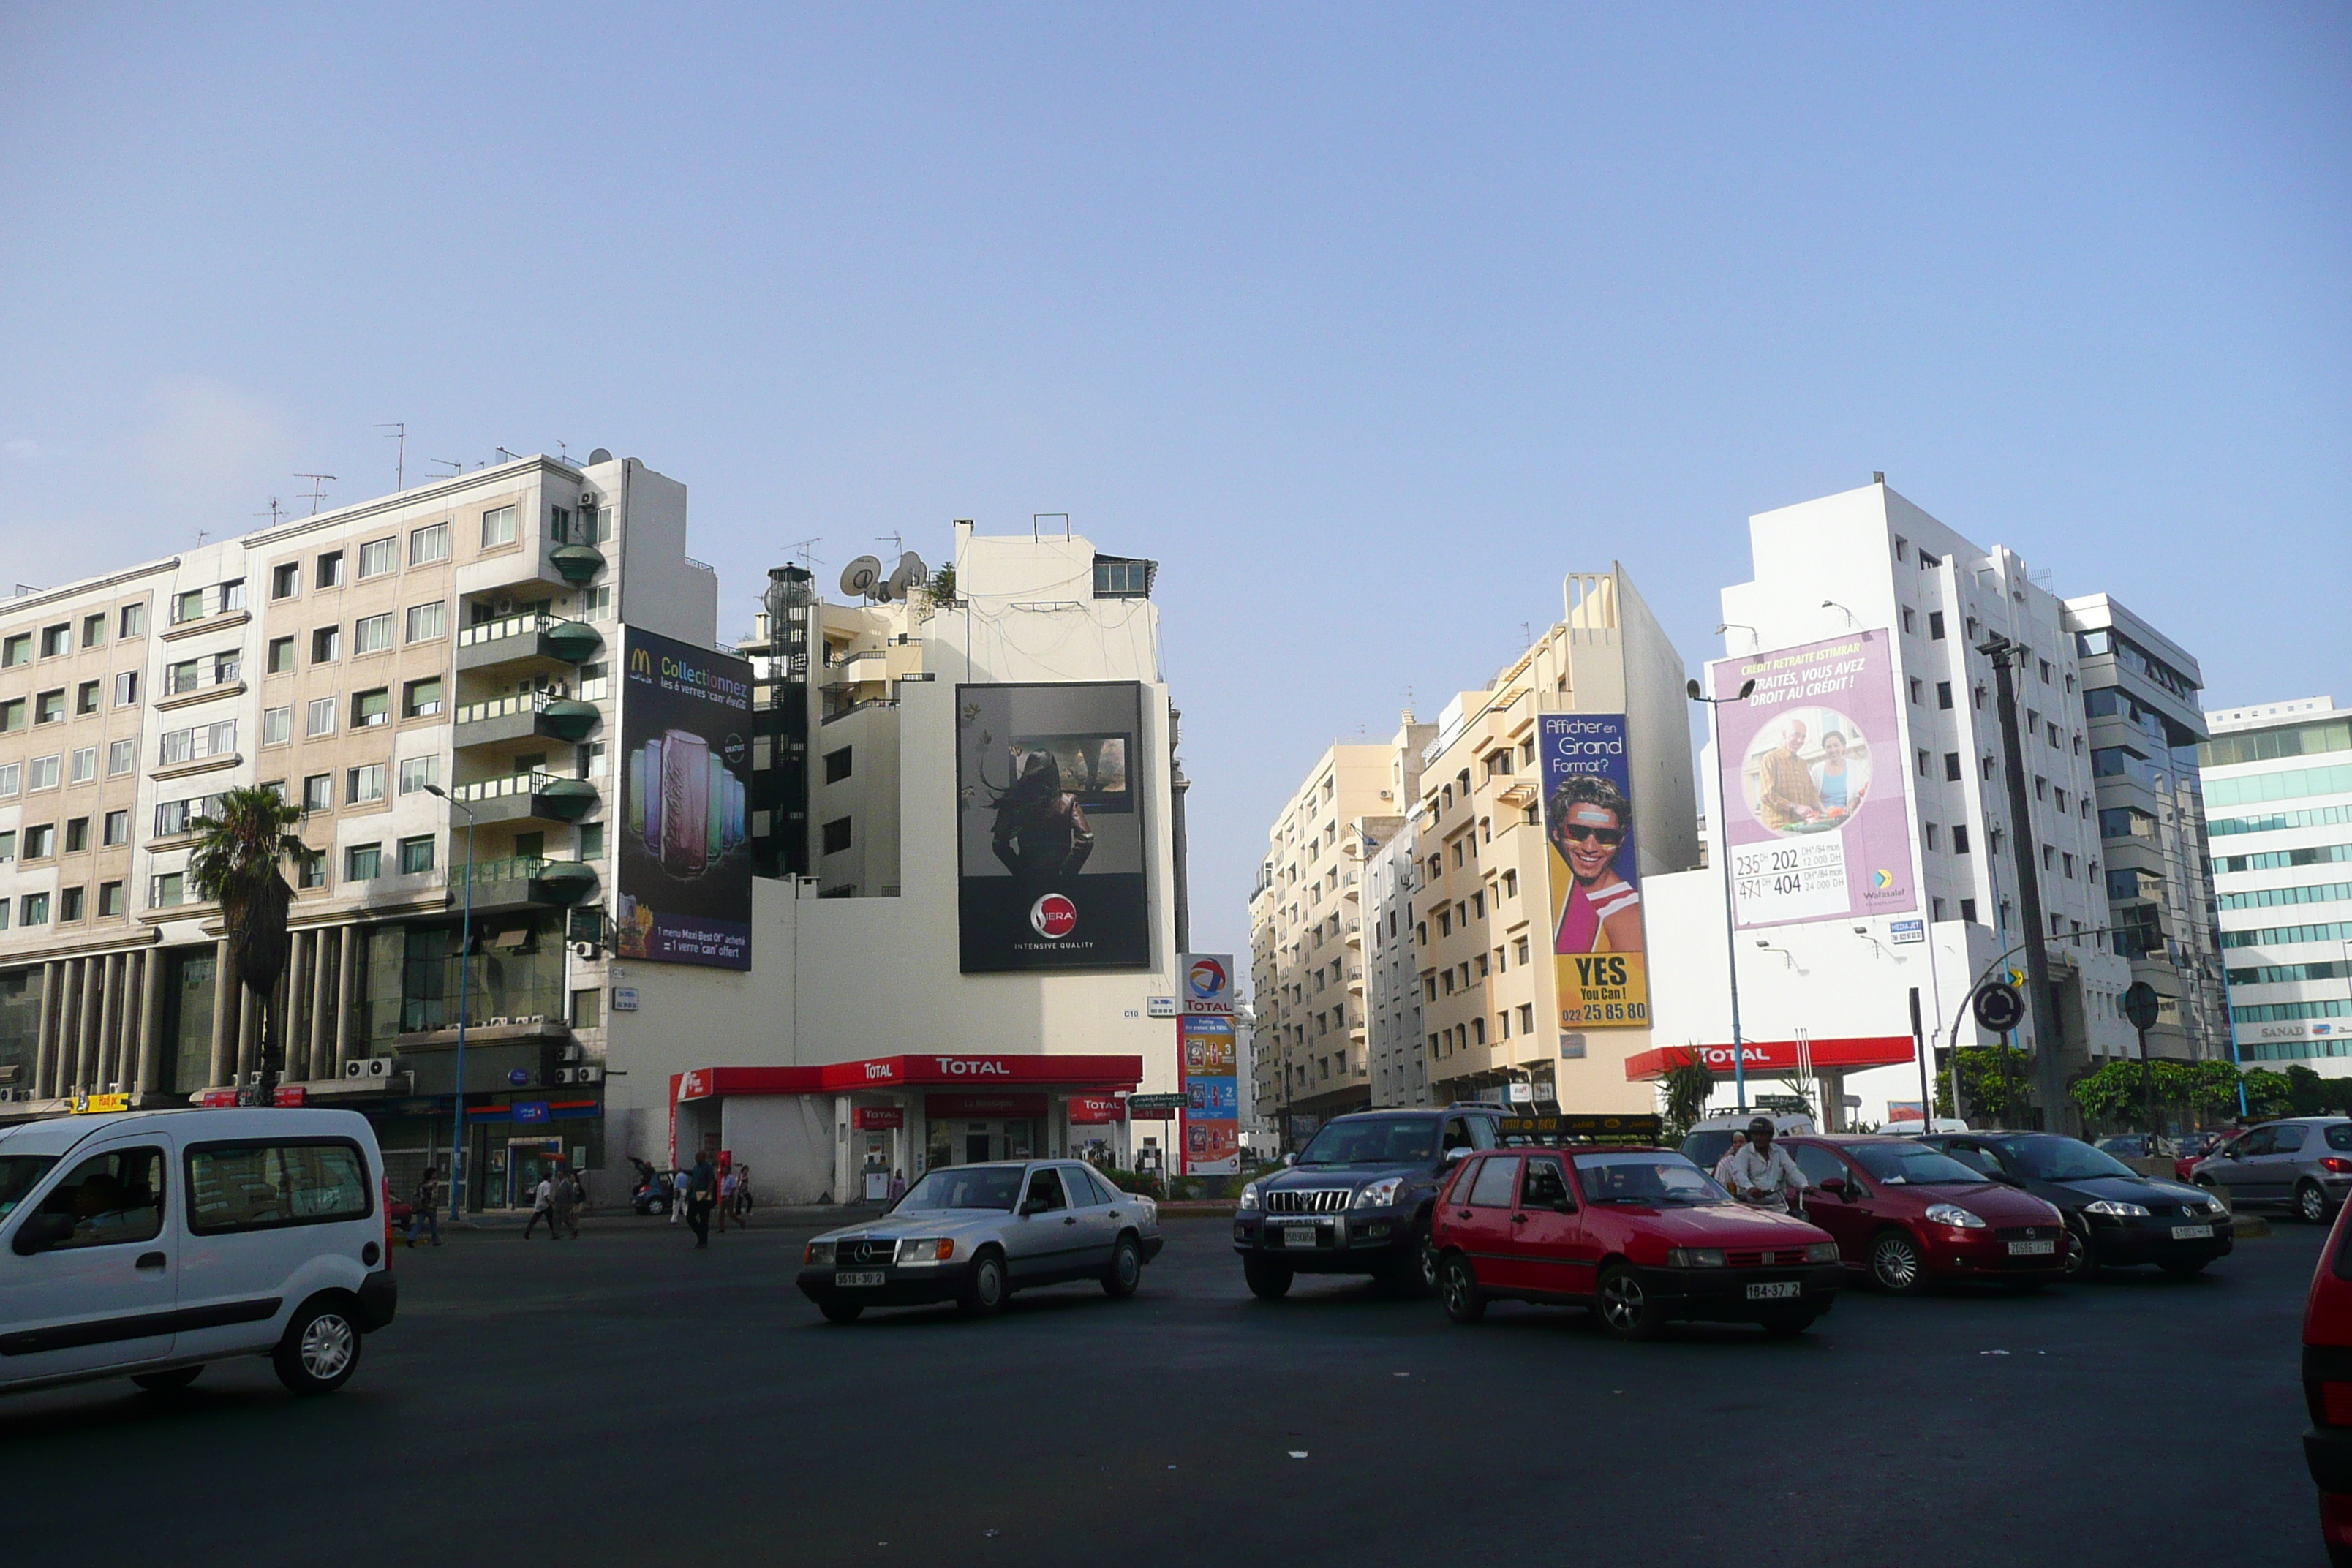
{"points": [[1158, 1101], [1999, 1007], [2142, 1005]]}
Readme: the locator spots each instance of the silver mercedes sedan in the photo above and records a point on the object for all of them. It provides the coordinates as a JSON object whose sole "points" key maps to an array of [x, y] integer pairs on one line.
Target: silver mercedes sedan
{"points": [[974, 1234]]}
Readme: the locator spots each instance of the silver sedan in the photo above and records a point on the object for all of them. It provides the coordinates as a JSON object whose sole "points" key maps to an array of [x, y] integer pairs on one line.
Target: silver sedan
{"points": [[974, 1234]]}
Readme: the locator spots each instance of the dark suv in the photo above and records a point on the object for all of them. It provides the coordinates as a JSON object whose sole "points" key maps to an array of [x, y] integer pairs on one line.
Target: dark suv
{"points": [[1357, 1198]]}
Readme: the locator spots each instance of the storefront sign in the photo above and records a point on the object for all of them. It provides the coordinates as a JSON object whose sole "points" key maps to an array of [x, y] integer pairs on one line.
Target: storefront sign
{"points": [[529, 1110], [1598, 961], [1783, 1056], [878, 1118], [1208, 981], [289, 1094], [624, 998], [1159, 1006], [1901, 932], [217, 1099], [937, 1106], [1207, 1066], [1096, 1110]]}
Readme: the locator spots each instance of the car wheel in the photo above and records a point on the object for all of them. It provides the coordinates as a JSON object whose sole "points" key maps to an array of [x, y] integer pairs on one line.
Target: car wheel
{"points": [[2183, 1269], [985, 1291], [1788, 1322], [1266, 1282], [1622, 1306], [1457, 1285], [840, 1312], [2311, 1204], [1126, 1271], [1413, 1271], [171, 1382], [1896, 1266], [2081, 1258], [320, 1348]]}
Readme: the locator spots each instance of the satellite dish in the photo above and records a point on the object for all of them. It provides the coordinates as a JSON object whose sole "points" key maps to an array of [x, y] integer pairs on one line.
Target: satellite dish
{"points": [[910, 571], [861, 577], [601, 454]]}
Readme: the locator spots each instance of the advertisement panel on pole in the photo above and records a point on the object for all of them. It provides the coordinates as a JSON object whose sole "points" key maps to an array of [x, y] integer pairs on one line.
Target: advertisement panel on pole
{"points": [[1601, 970], [1817, 814], [1208, 1062], [1051, 782], [684, 859]]}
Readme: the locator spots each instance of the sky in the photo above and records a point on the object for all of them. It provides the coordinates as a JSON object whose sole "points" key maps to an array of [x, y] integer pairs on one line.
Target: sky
{"points": [[1368, 322]]}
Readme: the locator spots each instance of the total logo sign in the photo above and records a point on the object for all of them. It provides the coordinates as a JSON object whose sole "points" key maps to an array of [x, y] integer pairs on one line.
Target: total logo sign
{"points": [[1207, 983], [1053, 917], [972, 1067]]}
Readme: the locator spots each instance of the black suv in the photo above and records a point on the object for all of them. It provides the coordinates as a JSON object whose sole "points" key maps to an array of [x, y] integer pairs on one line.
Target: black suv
{"points": [[1357, 1199]]}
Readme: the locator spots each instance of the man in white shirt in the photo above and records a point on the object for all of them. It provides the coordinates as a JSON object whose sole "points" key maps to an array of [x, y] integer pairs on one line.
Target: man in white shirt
{"points": [[543, 1207], [1762, 1174], [1723, 1166]]}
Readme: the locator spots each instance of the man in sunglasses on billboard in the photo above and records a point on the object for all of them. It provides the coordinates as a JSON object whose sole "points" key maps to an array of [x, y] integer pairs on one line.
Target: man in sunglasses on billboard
{"points": [[1590, 821]]}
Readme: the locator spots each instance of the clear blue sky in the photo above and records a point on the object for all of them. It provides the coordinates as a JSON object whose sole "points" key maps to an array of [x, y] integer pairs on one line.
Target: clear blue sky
{"points": [[1368, 323]]}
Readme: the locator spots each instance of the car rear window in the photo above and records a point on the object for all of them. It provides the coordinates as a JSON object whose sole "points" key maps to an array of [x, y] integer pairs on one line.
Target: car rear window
{"points": [[2339, 1136], [265, 1186]]}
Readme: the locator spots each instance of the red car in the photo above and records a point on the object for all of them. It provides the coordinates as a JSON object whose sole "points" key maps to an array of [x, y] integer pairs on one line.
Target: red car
{"points": [[1909, 1215], [2327, 1387], [1639, 1236]]}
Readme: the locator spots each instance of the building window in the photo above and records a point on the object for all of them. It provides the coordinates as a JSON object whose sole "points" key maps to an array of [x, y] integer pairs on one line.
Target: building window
{"points": [[416, 855], [836, 836], [93, 629], [16, 650], [277, 726], [837, 766], [591, 841], [50, 707], [2066, 864], [132, 622], [331, 570], [326, 644], [40, 841], [34, 910], [110, 900], [421, 698], [286, 580], [70, 903], [2041, 788], [280, 657], [1929, 830], [371, 634], [498, 527], [378, 556], [41, 773], [415, 772], [427, 545], [1935, 907], [426, 622], [310, 871], [12, 715], [56, 641], [1908, 619], [362, 862], [126, 690], [1510, 884], [1943, 694], [318, 793], [81, 767], [121, 756], [1935, 625], [181, 677], [167, 891], [1959, 838], [364, 785], [319, 717], [77, 835], [1920, 760], [1969, 911], [116, 829], [1952, 766], [370, 708], [86, 698]]}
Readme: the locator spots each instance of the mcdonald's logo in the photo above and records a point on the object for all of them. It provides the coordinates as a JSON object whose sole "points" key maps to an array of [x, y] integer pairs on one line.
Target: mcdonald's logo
{"points": [[641, 662]]}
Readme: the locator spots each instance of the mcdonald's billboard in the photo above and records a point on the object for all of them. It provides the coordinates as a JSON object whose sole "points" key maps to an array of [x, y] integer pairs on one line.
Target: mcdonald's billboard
{"points": [[685, 856]]}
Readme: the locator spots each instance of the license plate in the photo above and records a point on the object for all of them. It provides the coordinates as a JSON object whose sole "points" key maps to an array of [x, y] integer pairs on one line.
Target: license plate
{"points": [[2033, 1249], [856, 1279], [2192, 1232], [1300, 1236], [1774, 1290]]}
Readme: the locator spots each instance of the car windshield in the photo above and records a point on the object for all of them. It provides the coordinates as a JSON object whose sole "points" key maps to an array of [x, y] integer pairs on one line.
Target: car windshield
{"points": [[18, 1174], [1706, 1146], [2049, 1158], [1374, 1141], [1912, 1165], [962, 1187], [1657, 1180]]}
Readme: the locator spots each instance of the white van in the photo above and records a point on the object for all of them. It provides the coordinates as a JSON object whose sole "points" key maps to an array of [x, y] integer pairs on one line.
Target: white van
{"points": [[144, 1243]]}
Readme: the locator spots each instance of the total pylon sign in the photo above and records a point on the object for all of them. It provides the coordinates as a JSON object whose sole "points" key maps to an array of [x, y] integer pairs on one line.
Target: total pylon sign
{"points": [[1207, 1066]]}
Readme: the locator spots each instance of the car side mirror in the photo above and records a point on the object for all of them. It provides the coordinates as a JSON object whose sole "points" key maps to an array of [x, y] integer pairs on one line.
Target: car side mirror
{"points": [[2231, 1152], [1834, 1186], [1290, 1159], [42, 1231], [1457, 1153]]}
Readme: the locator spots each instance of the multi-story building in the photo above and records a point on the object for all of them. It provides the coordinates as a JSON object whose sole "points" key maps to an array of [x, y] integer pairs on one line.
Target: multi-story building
{"points": [[1306, 952], [2140, 700], [2278, 791], [1393, 972]]}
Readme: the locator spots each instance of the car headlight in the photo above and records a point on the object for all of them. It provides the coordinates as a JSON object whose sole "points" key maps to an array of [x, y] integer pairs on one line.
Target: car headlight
{"points": [[2113, 1210], [1249, 1197], [924, 1249], [2217, 1205], [1694, 1257], [1380, 1194], [1821, 1252], [1953, 1216], [819, 1255]]}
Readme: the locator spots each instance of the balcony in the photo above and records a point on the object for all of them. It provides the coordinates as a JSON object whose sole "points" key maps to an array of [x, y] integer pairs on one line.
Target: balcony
{"points": [[576, 562], [522, 717], [532, 635], [528, 797], [526, 882]]}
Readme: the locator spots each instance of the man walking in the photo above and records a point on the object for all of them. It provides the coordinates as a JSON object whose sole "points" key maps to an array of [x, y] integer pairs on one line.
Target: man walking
{"points": [[566, 1200], [727, 1185], [701, 1194], [543, 1207], [424, 1210]]}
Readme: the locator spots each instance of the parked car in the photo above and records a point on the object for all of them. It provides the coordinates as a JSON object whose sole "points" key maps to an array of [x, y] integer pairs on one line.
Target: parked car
{"points": [[2327, 1388], [2117, 1215], [652, 1193], [1641, 1237], [1710, 1137], [1359, 1199], [148, 1244], [1907, 1215], [2135, 1145], [973, 1235], [2303, 1164]]}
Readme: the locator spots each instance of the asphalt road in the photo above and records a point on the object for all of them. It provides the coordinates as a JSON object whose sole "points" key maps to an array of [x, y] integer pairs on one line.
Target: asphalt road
{"points": [[540, 1403]]}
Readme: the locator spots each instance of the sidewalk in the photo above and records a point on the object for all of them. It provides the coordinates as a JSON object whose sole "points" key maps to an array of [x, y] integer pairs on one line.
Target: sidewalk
{"points": [[780, 1217]]}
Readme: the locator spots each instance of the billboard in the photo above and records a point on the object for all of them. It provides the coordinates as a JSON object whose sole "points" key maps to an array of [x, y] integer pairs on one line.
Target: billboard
{"points": [[1207, 1065], [1818, 817], [1050, 790], [1600, 968], [684, 861]]}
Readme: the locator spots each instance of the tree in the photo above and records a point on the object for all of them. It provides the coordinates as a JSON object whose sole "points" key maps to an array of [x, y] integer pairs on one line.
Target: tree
{"points": [[2311, 1095], [235, 864], [2268, 1094], [1993, 1080], [2113, 1094], [2211, 1087], [1687, 1089]]}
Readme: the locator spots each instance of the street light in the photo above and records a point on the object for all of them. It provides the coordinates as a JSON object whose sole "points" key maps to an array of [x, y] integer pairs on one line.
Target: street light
{"points": [[464, 946], [1731, 917], [1852, 624]]}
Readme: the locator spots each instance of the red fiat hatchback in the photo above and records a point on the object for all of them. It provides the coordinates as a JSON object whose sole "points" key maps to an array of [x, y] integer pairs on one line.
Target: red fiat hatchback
{"points": [[1639, 1236], [1907, 1214]]}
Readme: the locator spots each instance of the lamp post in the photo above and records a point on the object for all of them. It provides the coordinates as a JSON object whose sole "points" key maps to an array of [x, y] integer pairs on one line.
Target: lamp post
{"points": [[465, 945], [1730, 910]]}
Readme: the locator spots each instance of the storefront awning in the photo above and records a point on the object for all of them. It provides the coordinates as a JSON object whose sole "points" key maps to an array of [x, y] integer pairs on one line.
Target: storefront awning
{"points": [[1844, 1054], [926, 1071]]}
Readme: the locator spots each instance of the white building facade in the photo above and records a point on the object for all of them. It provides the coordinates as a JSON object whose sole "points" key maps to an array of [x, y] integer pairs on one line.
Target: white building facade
{"points": [[1393, 973]]}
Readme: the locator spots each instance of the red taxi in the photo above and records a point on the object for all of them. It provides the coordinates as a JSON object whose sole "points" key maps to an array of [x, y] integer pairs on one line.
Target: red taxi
{"points": [[2327, 1387], [1909, 1215], [1639, 1236]]}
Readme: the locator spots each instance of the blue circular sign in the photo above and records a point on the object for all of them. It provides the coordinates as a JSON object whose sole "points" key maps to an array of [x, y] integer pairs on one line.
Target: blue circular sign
{"points": [[518, 1076]]}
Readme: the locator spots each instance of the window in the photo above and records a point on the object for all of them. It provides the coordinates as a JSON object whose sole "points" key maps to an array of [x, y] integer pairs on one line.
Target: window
{"points": [[81, 767], [362, 862], [588, 1013], [12, 714], [202, 740], [498, 527], [1908, 625], [167, 891], [114, 1199], [1510, 884], [277, 726], [270, 1185], [310, 871], [378, 556], [16, 650], [132, 622], [326, 644], [116, 829], [1920, 759], [370, 708], [1959, 838], [1943, 694], [596, 604], [70, 906], [426, 622], [188, 606], [34, 910], [93, 631], [87, 696], [121, 756], [318, 793], [2041, 788], [181, 677], [1969, 911], [2049, 859], [836, 836], [1490, 1186], [364, 785], [415, 772], [1951, 767], [837, 766], [286, 580], [2066, 864], [50, 707], [559, 524], [56, 641], [12, 777], [319, 718], [591, 841], [371, 634], [41, 773], [416, 855], [77, 835], [126, 690], [1927, 829], [2046, 671], [421, 698], [331, 570], [426, 545], [2059, 799], [40, 841], [110, 901], [279, 659]]}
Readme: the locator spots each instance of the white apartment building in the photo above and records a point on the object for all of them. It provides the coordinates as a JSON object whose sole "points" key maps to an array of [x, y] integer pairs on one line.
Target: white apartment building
{"points": [[1393, 972], [2278, 798]]}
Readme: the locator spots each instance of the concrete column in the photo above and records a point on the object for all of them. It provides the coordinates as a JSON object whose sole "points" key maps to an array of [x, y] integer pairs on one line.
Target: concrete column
{"points": [[347, 998], [224, 1062], [248, 1032], [93, 981], [69, 1025], [299, 948], [151, 970], [45, 1050], [322, 1011], [110, 1021]]}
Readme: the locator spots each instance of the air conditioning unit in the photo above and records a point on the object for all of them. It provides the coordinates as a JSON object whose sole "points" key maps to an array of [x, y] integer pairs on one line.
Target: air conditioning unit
{"points": [[563, 1074], [378, 1068], [499, 1022], [587, 498], [590, 1074], [534, 1018], [355, 1067], [585, 952]]}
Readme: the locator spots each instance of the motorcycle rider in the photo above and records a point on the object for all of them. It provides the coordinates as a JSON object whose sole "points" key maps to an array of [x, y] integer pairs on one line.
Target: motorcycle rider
{"points": [[1763, 1174]]}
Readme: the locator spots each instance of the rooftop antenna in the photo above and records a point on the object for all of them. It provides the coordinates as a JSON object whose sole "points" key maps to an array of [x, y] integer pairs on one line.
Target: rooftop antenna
{"points": [[563, 452], [898, 543], [454, 466], [503, 452], [273, 515], [806, 551], [319, 483], [398, 429]]}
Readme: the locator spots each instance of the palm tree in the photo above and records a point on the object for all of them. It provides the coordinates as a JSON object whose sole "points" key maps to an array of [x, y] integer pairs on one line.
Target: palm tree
{"points": [[235, 864], [1687, 1089]]}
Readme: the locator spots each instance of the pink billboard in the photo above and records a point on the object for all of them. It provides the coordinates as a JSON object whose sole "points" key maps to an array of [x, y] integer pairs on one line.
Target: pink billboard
{"points": [[1817, 814]]}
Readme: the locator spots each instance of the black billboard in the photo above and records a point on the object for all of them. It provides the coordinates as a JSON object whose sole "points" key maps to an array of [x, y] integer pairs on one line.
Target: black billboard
{"points": [[1051, 780], [684, 856]]}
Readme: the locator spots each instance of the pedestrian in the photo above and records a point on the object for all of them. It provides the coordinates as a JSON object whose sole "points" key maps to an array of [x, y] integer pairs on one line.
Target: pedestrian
{"points": [[1723, 1166], [728, 1186], [566, 1198], [1763, 1174], [542, 1207], [424, 1210], [898, 1188], [674, 1195], [701, 1191], [742, 1197]]}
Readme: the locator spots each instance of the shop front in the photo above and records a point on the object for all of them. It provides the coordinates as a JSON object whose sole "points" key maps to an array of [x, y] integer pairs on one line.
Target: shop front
{"points": [[1823, 1061]]}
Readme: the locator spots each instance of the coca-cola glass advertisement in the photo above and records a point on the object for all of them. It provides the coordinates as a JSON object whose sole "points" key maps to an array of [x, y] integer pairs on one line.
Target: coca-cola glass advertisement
{"points": [[1050, 827], [685, 858]]}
